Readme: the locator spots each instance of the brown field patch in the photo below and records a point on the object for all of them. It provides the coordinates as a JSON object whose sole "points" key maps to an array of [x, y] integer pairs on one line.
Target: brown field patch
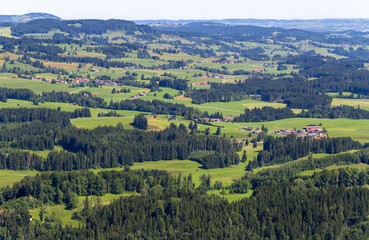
{"points": [[11, 56], [155, 127], [151, 71], [183, 98], [91, 54], [228, 80], [2, 62], [67, 66]]}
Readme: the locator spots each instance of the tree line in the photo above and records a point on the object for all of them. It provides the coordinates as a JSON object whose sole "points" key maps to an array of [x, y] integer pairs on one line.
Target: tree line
{"points": [[328, 205], [278, 150], [272, 114]]}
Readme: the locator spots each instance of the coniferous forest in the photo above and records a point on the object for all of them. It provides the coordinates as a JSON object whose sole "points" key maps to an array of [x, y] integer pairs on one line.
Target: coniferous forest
{"points": [[243, 129]]}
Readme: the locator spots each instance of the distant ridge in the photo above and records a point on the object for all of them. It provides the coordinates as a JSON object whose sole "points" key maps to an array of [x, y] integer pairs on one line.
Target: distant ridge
{"points": [[316, 25], [25, 17]]}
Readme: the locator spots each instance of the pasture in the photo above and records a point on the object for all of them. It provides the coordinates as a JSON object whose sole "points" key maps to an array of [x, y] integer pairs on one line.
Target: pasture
{"points": [[186, 167], [66, 216], [35, 85], [363, 103], [5, 32], [9, 177], [359, 166], [357, 129]]}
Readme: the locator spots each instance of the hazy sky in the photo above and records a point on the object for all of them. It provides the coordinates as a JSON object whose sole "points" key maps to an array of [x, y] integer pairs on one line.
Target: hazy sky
{"points": [[191, 9]]}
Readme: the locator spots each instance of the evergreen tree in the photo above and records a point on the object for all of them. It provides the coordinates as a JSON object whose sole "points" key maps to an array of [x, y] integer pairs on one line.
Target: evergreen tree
{"points": [[244, 156], [207, 131], [218, 132]]}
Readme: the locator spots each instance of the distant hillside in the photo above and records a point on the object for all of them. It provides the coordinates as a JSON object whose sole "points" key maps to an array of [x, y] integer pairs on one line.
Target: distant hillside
{"points": [[25, 17], [79, 28], [244, 32], [316, 25]]}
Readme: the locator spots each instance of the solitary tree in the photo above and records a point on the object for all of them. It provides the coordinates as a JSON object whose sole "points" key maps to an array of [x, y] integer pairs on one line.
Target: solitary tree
{"points": [[254, 143], [218, 131], [190, 126], [244, 156], [207, 131]]}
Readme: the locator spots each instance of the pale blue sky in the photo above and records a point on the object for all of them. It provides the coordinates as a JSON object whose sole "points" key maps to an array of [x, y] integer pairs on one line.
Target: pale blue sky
{"points": [[190, 9]]}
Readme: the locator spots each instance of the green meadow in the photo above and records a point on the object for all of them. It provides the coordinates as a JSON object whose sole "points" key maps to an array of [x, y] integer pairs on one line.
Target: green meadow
{"points": [[363, 103], [9, 177], [186, 167], [66, 216], [37, 86], [358, 166], [126, 121], [357, 129], [234, 108]]}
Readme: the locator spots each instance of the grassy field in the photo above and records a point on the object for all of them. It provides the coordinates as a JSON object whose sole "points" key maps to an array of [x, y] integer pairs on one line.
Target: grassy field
{"points": [[357, 129], [225, 175], [5, 32], [36, 86], [9, 177], [232, 197], [65, 216], [363, 103], [185, 167], [357, 166], [234, 108], [126, 121], [14, 103]]}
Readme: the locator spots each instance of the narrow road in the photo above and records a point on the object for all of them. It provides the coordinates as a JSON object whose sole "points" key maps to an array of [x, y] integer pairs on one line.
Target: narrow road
{"points": [[229, 110], [79, 90]]}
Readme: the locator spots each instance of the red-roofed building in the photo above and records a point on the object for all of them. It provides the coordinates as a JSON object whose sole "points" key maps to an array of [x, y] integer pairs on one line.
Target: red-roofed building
{"points": [[313, 129]]}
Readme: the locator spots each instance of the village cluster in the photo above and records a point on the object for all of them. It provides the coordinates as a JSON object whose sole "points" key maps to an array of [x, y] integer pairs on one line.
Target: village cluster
{"points": [[72, 81], [210, 75], [315, 132]]}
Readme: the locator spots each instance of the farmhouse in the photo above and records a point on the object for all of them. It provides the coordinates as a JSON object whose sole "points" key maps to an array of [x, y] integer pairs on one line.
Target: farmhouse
{"points": [[37, 78], [257, 131], [139, 95], [202, 83], [315, 132], [246, 128], [172, 118], [213, 120], [312, 129], [212, 75]]}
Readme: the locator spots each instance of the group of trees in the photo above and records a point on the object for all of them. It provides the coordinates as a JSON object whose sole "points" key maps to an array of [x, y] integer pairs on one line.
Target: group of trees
{"points": [[284, 149], [296, 92], [109, 114], [300, 91], [140, 122], [272, 175], [76, 27], [328, 204], [211, 159], [156, 107], [53, 187], [45, 115], [264, 114], [103, 146], [86, 99], [272, 114]]}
